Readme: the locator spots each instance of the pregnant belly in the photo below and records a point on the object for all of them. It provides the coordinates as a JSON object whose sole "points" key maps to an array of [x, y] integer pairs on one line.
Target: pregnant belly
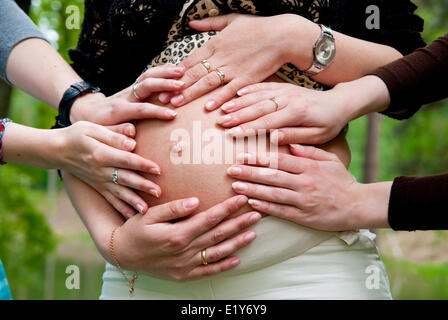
{"points": [[194, 153]]}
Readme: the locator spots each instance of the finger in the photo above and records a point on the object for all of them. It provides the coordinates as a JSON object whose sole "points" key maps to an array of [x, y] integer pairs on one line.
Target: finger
{"points": [[165, 97], [125, 160], [226, 229], [247, 114], [292, 135], [146, 87], [214, 268], [119, 205], [195, 73], [226, 248], [128, 129], [281, 211], [135, 181], [273, 194], [204, 85], [111, 138], [312, 153], [225, 93], [281, 161], [262, 86], [128, 196], [267, 176], [163, 71], [207, 220], [247, 100], [171, 211], [212, 23], [130, 111]]}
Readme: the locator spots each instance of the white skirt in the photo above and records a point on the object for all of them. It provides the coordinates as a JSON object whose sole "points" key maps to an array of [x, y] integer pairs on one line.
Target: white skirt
{"points": [[292, 263]]}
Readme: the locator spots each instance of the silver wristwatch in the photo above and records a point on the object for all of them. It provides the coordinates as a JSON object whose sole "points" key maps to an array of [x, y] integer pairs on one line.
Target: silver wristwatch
{"points": [[324, 51]]}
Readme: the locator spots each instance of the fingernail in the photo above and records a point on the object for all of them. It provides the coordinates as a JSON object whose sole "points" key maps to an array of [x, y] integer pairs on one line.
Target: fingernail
{"points": [[237, 131], [242, 92], [210, 105], [249, 237], [242, 200], [277, 136], [129, 144], [297, 147], [180, 68], [164, 97], [228, 105], [171, 113], [255, 203], [177, 99], [179, 84], [234, 171], [154, 193], [139, 208], [239, 186], [254, 218], [154, 171], [224, 119], [190, 203], [234, 262], [131, 131]]}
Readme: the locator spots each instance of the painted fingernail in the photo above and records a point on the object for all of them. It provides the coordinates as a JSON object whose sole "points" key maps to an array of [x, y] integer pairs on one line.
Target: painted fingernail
{"points": [[242, 92], [139, 208], [177, 99], [255, 203], [129, 144], [154, 193], [154, 171], [234, 262], [234, 171], [210, 105], [237, 131], [239, 186], [190, 203], [171, 113], [249, 237], [224, 119], [228, 105], [254, 218]]}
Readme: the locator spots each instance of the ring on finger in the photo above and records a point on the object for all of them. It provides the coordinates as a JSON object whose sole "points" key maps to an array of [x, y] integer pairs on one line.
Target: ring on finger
{"points": [[203, 257], [134, 90], [207, 65], [115, 176], [277, 106], [221, 75]]}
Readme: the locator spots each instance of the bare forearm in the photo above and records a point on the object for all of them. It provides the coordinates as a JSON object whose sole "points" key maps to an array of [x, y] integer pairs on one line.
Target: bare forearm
{"points": [[37, 68]]}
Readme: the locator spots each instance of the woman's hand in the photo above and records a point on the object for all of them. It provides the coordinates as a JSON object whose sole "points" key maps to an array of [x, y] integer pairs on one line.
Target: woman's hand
{"points": [[302, 115], [313, 189], [247, 50], [124, 105], [167, 241], [92, 153]]}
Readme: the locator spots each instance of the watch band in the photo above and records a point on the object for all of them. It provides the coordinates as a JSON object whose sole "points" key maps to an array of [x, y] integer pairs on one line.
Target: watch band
{"points": [[317, 67], [70, 95]]}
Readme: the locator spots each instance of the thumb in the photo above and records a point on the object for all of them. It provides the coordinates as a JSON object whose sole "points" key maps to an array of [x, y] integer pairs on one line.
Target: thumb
{"points": [[213, 23], [171, 211], [312, 153]]}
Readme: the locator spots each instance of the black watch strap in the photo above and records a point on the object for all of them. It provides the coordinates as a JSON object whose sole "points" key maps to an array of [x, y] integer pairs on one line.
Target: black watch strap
{"points": [[70, 95]]}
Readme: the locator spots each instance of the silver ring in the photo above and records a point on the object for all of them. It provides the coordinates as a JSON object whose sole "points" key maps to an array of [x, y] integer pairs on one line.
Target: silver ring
{"points": [[115, 176], [134, 90], [221, 75]]}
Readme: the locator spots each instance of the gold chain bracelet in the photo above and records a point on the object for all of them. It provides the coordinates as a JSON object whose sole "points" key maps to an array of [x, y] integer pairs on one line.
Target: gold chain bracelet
{"points": [[117, 264]]}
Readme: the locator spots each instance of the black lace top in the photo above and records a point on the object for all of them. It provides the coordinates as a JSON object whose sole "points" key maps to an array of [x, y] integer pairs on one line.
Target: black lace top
{"points": [[120, 37]]}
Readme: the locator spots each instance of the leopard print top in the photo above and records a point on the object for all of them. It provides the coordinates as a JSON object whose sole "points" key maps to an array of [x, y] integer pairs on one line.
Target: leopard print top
{"points": [[120, 37]]}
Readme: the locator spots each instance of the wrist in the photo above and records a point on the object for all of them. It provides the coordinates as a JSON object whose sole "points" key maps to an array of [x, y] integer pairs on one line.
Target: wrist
{"points": [[82, 107], [373, 202], [301, 34]]}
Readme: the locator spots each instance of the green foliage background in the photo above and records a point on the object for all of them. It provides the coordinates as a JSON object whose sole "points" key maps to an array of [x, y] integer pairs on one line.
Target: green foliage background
{"points": [[415, 147]]}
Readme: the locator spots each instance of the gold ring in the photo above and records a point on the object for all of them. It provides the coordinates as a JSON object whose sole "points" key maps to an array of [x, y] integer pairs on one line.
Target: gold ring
{"points": [[134, 90], [204, 259], [221, 75], [276, 103], [115, 176], [206, 65]]}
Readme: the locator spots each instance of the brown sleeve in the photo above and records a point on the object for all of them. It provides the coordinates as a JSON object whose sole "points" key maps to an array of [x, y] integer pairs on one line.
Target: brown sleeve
{"points": [[416, 79], [419, 203]]}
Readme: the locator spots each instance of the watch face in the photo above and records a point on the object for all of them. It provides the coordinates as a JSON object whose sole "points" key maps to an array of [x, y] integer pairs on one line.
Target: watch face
{"points": [[325, 51]]}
